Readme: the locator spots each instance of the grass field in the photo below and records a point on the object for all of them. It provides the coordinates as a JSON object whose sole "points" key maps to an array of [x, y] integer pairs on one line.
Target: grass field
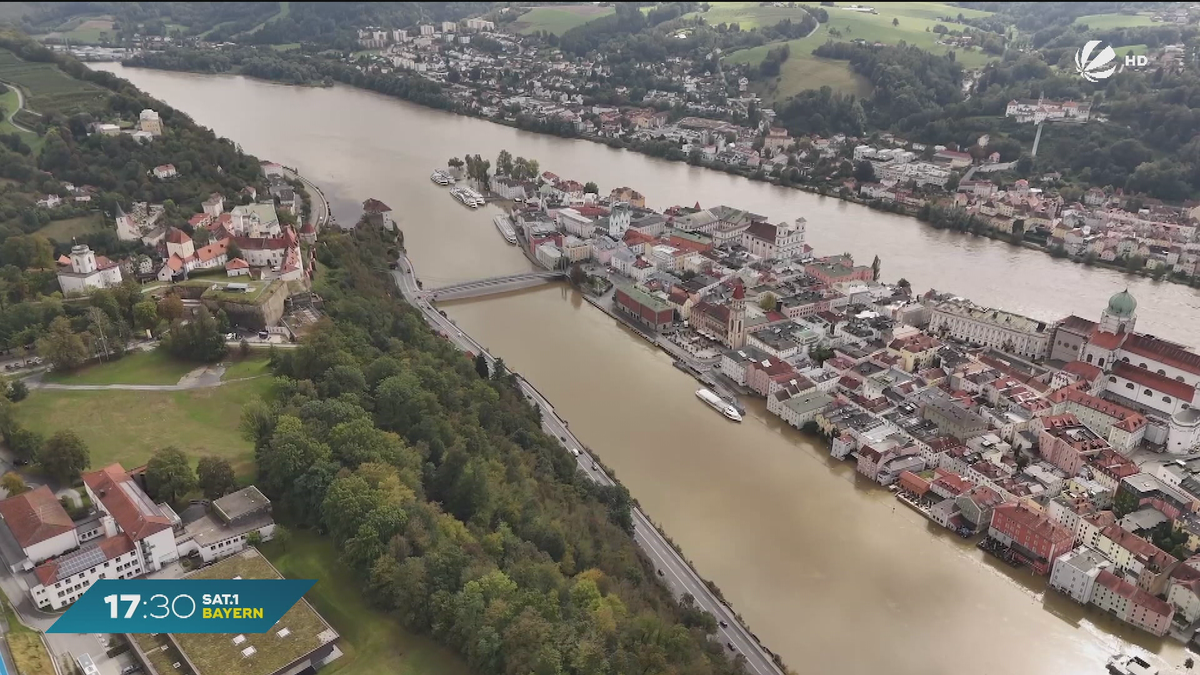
{"points": [[153, 367], [83, 30], [64, 230], [26, 647], [46, 87], [1107, 21], [128, 426], [290, 46], [285, 8], [373, 641], [256, 365], [558, 19], [803, 71], [10, 101]]}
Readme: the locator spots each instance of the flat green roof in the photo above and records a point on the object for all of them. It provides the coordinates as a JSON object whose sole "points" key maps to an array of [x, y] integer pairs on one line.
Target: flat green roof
{"points": [[645, 299], [216, 654]]}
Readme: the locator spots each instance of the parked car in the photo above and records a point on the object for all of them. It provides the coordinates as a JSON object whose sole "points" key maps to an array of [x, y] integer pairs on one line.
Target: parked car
{"points": [[263, 335]]}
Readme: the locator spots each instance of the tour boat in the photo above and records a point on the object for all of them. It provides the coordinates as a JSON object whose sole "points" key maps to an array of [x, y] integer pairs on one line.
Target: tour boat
{"points": [[468, 197], [441, 178], [719, 404], [504, 224]]}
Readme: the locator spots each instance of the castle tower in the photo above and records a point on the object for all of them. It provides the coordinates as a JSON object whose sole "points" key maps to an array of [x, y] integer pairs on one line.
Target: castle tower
{"points": [[83, 260], [1121, 314], [737, 317]]}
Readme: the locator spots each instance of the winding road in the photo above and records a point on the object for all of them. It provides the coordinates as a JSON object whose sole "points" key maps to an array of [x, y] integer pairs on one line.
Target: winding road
{"points": [[675, 571], [20, 106]]}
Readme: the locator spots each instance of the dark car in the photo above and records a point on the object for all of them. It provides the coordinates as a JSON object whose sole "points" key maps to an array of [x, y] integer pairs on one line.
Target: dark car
{"points": [[660, 573], [723, 624], [731, 647]]}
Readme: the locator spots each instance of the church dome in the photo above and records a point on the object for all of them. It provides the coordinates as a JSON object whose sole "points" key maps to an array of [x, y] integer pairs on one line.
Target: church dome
{"points": [[1122, 304]]}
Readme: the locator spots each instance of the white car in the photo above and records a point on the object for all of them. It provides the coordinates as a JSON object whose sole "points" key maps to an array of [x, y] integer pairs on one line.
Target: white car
{"points": [[575, 451]]}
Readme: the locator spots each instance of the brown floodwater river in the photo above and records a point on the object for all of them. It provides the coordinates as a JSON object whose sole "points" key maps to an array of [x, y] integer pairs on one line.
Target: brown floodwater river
{"points": [[831, 572]]}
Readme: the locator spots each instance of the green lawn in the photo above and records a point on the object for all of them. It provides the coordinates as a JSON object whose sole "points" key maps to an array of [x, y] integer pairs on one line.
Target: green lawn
{"points": [[64, 230], [153, 367], [84, 30], [373, 641], [1107, 21], [803, 71], [46, 87], [285, 8], [26, 647], [255, 365], [128, 426], [287, 47], [558, 19]]}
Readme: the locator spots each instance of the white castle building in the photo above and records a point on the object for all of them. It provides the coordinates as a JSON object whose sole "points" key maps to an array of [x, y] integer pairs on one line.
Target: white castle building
{"points": [[84, 271]]}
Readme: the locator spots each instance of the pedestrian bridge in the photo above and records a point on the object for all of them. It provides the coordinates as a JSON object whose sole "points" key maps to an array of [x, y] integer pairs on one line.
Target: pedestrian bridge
{"points": [[480, 287]]}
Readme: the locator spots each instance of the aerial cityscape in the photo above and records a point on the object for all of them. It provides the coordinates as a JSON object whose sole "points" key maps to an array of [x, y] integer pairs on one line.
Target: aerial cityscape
{"points": [[721, 337]]}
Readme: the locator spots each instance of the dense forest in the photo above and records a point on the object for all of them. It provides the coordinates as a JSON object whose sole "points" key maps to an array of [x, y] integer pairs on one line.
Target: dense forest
{"points": [[461, 516]]}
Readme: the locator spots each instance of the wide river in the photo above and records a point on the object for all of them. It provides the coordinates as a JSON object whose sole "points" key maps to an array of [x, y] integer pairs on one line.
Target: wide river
{"points": [[830, 571]]}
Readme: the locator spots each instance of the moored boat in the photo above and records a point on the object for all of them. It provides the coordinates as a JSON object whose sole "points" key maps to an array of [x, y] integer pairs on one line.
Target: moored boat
{"points": [[719, 404]]}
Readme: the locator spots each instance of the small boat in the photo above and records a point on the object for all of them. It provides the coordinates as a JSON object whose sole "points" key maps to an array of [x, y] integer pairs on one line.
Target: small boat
{"points": [[1128, 664], [719, 404], [441, 178]]}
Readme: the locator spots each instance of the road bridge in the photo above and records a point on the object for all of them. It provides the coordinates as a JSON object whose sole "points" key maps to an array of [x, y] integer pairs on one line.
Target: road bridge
{"points": [[490, 285]]}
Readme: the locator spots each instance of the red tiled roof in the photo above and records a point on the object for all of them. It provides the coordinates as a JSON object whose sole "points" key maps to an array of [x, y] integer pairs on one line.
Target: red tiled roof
{"points": [[106, 484], [1130, 420], [1163, 352], [762, 230], [112, 547], [1106, 340], [35, 516], [1030, 519], [177, 236], [1087, 371], [1136, 545], [1160, 383], [103, 263], [952, 482], [213, 250], [197, 219], [719, 312], [236, 264], [1136, 595], [175, 263], [64, 260]]}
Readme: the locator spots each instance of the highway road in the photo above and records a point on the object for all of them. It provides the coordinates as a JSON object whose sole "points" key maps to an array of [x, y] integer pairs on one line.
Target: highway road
{"points": [[676, 572]]}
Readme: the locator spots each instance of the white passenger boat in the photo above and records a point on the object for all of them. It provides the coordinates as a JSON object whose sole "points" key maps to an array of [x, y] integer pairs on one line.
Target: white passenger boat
{"points": [[441, 178], [504, 224], [464, 196], [719, 404]]}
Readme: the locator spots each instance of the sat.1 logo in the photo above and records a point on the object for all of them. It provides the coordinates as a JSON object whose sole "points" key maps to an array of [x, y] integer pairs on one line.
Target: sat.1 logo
{"points": [[1097, 66]]}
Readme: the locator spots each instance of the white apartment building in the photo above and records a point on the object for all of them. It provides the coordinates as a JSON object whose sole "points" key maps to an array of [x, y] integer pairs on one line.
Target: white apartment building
{"points": [[573, 222], [127, 536], [1075, 572]]}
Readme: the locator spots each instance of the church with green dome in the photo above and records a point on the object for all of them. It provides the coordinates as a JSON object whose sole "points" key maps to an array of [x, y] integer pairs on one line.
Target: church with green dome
{"points": [[1120, 315]]}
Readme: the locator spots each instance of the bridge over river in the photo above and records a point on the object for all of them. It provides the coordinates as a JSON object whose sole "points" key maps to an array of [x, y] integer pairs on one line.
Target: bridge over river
{"points": [[490, 285]]}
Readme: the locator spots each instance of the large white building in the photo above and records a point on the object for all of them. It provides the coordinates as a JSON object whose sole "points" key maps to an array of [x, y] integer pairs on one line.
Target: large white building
{"points": [[964, 320], [1038, 111], [781, 242], [1075, 572], [84, 271], [150, 123], [1143, 372], [127, 536]]}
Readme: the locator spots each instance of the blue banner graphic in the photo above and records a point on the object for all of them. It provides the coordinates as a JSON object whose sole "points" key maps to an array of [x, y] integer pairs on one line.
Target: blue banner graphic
{"points": [[182, 606]]}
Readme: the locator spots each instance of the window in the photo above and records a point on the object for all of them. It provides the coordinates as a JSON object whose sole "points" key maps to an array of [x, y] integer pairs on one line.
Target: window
{"points": [[1148, 393], [1166, 399], [1179, 378], [1125, 359], [1111, 378], [1129, 385], [1161, 371], [1142, 364], [1101, 362], [1089, 358]]}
